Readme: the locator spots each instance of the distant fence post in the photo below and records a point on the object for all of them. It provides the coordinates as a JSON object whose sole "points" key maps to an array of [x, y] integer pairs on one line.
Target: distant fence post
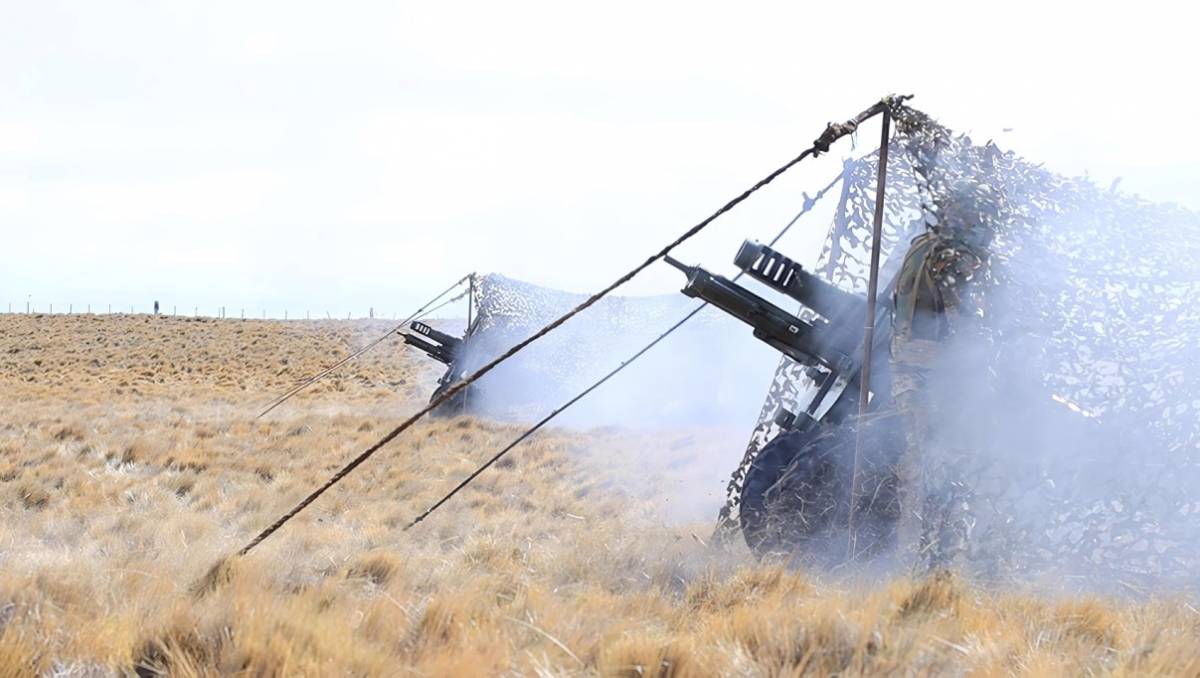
{"points": [[285, 314], [51, 312], [243, 314], [70, 309], [306, 316]]}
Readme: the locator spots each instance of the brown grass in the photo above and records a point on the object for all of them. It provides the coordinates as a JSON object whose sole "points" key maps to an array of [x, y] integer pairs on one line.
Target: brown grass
{"points": [[130, 464]]}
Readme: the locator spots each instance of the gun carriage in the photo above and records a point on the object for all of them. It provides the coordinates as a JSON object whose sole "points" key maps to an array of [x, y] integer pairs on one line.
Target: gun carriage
{"points": [[797, 490]]}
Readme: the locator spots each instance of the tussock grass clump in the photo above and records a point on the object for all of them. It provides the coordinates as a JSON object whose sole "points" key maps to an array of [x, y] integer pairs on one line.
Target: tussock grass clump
{"points": [[636, 655], [377, 567], [70, 432], [1089, 620], [176, 651], [20, 655], [939, 593], [34, 497]]}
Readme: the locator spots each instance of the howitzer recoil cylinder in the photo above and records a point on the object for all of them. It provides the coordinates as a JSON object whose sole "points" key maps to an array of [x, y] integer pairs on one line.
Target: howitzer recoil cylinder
{"points": [[785, 275], [781, 330], [442, 348]]}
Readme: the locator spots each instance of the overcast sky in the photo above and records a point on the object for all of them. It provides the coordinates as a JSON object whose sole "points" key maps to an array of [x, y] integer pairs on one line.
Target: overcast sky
{"points": [[336, 156]]}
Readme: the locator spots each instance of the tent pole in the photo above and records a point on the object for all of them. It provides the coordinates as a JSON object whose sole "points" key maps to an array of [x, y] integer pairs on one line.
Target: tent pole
{"points": [[864, 390]]}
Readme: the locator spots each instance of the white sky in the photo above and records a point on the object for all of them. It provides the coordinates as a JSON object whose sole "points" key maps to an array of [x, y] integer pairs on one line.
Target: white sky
{"points": [[336, 156]]}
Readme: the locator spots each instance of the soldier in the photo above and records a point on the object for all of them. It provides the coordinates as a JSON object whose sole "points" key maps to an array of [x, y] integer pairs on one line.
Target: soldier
{"points": [[934, 309]]}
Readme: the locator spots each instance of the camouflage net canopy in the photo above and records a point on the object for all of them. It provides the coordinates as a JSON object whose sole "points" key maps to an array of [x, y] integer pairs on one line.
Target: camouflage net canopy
{"points": [[1092, 314], [673, 384]]}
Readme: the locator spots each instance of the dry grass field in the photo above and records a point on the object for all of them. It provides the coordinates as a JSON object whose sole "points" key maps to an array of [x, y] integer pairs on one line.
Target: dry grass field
{"points": [[130, 462]]}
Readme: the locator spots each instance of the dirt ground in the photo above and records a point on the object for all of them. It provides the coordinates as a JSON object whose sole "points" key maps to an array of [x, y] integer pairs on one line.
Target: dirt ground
{"points": [[131, 462]]}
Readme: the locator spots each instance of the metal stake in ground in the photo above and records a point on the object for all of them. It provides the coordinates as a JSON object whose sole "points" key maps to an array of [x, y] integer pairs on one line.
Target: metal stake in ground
{"points": [[864, 391]]}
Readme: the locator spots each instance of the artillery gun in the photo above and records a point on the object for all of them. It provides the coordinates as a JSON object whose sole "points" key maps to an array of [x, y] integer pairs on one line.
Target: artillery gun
{"points": [[795, 496], [796, 492], [445, 349]]}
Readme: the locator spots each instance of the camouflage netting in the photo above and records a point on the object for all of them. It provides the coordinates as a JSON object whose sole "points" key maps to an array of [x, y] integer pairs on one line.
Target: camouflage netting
{"points": [[1093, 301], [672, 385]]}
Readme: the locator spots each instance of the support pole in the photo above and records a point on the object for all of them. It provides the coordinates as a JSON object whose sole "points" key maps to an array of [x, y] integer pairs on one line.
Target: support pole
{"points": [[864, 391], [467, 334], [470, 299]]}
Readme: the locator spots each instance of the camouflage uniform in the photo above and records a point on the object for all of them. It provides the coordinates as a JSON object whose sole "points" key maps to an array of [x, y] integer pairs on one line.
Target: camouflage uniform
{"points": [[931, 305]]}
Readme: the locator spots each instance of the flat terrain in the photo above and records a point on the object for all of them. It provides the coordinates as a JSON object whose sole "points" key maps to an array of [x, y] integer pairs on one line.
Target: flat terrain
{"points": [[131, 463]]}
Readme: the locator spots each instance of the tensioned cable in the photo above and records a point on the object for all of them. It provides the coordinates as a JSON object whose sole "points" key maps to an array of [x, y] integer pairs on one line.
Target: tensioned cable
{"points": [[832, 133], [435, 309], [321, 375], [808, 205]]}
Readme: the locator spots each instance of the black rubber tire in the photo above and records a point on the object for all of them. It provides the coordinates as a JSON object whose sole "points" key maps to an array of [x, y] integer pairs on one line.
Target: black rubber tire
{"points": [[791, 492], [453, 407], [795, 498]]}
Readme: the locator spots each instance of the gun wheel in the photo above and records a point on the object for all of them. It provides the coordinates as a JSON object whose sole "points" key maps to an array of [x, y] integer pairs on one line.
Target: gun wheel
{"points": [[454, 406], [795, 496], [790, 493]]}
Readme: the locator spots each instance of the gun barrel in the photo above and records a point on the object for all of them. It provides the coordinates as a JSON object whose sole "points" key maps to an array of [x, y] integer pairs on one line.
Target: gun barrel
{"points": [[677, 264], [438, 353], [441, 346], [776, 327]]}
